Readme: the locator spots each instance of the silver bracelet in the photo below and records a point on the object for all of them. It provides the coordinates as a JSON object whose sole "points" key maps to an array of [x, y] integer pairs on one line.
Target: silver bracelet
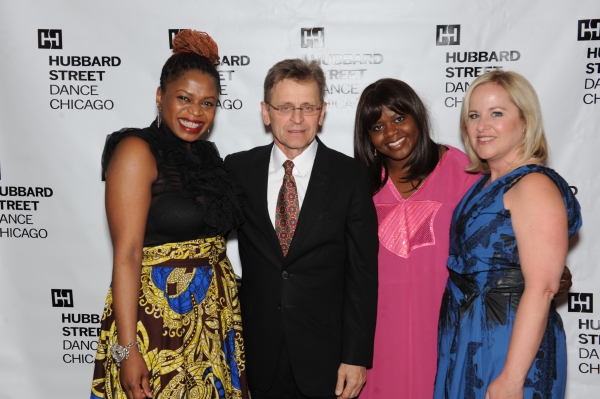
{"points": [[120, 353]]}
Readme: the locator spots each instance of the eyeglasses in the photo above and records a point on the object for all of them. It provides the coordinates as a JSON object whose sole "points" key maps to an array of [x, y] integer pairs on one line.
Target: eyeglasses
{"points": [[288, 109]]}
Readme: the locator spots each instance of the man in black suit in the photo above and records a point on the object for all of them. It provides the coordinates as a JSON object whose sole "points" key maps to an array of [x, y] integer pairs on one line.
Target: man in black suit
{"points": [[308, 250]]}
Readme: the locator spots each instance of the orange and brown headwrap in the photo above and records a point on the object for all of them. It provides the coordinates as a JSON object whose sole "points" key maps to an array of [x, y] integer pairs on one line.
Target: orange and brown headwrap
{"points": [[193, 41]]}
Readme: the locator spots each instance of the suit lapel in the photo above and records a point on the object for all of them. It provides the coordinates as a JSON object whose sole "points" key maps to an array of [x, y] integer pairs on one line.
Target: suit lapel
{"points": [[261, 164], [313, 200]]}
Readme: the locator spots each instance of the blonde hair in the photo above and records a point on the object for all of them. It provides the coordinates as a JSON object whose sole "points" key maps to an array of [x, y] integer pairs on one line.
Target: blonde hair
{"points": [[534, 144]]}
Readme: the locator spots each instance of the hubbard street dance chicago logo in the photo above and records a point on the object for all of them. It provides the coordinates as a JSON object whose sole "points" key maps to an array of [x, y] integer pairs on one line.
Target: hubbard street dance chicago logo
{"points": [[581, 302], [312, 37], [62, 298], [447, 35], [588, 29], [50, 38]]}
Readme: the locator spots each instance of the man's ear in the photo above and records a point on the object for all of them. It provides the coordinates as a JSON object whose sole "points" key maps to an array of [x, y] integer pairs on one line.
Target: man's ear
{"points": [[322, 117], [265, 113]]}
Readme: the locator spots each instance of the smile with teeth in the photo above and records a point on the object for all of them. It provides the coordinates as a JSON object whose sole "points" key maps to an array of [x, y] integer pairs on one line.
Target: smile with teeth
{"points": [[397, 142], [189, 124], [486, 138]]}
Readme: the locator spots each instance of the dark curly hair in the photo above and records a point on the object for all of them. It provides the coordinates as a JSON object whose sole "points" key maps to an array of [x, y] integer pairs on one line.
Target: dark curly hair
{"points": [[402, 99]]}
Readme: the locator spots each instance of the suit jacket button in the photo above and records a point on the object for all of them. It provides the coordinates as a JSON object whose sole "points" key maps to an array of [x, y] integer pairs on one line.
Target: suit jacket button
{"points": [[284, 275], [279, 305]]}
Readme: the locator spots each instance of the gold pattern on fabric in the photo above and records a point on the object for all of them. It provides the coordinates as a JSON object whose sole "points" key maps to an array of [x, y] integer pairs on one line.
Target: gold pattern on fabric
{"points": [[155, 303], [108, 305], [190, 353], [181, 280], [210, 248]]}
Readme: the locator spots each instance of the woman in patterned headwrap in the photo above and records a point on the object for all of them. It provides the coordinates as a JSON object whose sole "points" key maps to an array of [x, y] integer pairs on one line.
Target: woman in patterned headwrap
{"points": [[171, 326]]}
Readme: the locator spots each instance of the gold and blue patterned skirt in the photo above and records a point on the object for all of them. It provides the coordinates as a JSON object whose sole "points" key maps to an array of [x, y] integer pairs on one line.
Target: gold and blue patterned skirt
{"points": [[189, 325]]}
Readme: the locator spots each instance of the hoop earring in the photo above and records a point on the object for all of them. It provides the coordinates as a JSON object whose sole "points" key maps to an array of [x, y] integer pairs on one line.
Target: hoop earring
{"points": [[158, 116]]}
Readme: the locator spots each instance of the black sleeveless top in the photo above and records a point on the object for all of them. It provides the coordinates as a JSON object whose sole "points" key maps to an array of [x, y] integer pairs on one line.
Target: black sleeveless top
{"points": [[193, 196]]}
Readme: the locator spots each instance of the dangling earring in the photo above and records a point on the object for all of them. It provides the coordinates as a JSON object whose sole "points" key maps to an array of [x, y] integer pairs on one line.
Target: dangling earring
{"points": [[158, 116], [375, 152]]}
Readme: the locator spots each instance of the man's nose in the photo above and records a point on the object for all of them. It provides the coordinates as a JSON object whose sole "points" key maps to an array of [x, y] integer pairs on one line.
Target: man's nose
{"points": [[297, 115]]}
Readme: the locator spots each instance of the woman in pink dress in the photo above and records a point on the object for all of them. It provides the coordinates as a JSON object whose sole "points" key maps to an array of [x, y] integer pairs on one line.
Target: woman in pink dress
{"points": [[416, 185]]}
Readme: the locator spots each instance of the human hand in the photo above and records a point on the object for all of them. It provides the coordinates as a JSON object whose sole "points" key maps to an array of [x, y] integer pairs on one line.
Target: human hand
{"points": [[565, 282], [350, 381], [135, 376], [503, 388]]}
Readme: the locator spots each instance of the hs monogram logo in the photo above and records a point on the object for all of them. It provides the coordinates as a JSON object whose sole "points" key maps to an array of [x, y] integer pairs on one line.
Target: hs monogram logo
{"points": [[447, 35], [62, 298], [581, 303], [50, 38], [312, 37], [588, 29]]}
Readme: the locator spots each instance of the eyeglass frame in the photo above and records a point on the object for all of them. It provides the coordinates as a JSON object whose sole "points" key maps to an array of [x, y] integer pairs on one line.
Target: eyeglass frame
{"points": [[317, 108]]}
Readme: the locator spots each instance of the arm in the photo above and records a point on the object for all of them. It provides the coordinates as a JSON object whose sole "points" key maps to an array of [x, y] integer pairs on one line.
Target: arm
{"points": [[129, 178], [539, 219], [360, 291]]}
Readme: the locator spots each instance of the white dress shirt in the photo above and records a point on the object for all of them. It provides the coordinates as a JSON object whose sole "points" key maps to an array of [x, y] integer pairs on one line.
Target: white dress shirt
{"points": [[303, 165]]}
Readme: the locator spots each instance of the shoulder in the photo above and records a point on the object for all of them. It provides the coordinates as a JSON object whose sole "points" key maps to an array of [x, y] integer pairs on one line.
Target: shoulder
{"points": [[533, 182], [533, 190], [133, 142], [537, 177], [130, 141], [338, 160], [542, 188], [351, 176], [455, 157], [131, 160], [116, 137], [454, 162], [133, 148], [238, 159]]}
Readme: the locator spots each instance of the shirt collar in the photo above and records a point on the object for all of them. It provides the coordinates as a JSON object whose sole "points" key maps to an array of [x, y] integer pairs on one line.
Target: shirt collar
{"points": [[303, 163]]}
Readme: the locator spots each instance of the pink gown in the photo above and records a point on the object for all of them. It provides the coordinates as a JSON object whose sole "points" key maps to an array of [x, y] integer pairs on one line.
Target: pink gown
{"points": [[413, 250]]}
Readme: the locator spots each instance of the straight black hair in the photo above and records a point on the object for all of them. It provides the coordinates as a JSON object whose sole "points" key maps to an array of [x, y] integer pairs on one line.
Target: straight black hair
{"points": [[401, 98]]}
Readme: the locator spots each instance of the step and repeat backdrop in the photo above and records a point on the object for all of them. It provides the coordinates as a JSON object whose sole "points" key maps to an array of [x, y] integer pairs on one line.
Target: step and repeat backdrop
{"points": [[74, 71]]}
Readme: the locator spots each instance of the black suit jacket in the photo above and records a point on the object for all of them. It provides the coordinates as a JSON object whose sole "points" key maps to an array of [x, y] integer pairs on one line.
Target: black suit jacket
{"points": [[321, 299]]}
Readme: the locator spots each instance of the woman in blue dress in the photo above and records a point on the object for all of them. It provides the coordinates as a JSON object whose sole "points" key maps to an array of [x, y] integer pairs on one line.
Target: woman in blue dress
{"points": [[499, 333]]}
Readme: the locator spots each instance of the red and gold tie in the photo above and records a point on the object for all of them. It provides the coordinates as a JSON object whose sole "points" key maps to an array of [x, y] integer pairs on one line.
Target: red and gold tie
{"points": [[286, 214]]}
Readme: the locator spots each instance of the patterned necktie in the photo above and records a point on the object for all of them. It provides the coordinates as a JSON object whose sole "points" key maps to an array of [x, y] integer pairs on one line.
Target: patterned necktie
{"points": [[286, 214]]}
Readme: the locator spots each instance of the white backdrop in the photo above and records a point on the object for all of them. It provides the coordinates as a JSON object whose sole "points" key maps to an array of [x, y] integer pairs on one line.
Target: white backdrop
{"points": [[55, 252]]}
